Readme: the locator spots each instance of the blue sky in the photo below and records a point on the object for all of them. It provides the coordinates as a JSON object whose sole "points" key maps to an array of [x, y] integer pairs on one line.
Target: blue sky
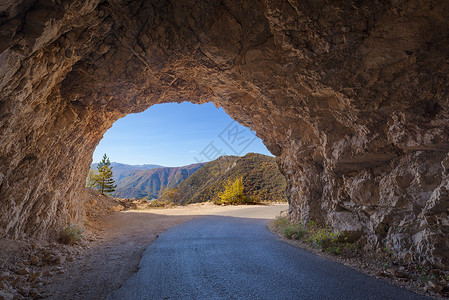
{"points": [[175, 134]]}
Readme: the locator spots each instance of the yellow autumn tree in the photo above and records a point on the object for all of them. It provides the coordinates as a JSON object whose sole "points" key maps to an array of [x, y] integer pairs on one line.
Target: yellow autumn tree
{"points": [[233, 193]]}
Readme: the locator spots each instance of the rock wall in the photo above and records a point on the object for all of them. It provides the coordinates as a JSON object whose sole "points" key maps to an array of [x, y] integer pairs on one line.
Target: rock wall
{"points": [[351, 96]]}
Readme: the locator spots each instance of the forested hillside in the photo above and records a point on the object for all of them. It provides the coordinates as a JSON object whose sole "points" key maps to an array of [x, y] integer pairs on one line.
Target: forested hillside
{"points": [[261, 178]]}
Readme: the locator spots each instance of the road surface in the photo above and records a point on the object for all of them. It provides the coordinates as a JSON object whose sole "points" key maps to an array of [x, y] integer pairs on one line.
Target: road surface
{"points": [[234, 256]]}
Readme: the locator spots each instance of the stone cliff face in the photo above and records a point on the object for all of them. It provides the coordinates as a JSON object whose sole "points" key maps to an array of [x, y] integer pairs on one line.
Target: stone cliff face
{"points": [[351, 96]]}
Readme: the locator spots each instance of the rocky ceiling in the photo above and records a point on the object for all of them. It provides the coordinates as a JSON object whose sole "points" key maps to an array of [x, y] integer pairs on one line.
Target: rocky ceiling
{"points": [[351, 96]]}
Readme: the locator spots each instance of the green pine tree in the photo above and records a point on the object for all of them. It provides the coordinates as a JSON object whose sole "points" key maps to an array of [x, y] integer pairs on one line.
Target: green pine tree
{"points": [[104, 181]]}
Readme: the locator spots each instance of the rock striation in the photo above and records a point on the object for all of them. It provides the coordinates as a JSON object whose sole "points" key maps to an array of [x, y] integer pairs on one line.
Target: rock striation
{"points": [[351, 96]]}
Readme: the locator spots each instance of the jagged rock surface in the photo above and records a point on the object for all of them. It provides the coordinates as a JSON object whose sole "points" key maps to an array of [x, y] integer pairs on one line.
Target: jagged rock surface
{"points": [[351, 96]]}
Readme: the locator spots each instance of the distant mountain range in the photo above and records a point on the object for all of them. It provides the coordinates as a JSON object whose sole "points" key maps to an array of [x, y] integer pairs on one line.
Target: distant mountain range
{"points": [[201, 182], [262, 179], [121, 171], [148, 183], [138, 181]]}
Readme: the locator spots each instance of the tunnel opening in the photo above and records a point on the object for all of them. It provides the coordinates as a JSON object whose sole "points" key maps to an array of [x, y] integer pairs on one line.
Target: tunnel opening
{"points": [[175, 134], [155, 151]]}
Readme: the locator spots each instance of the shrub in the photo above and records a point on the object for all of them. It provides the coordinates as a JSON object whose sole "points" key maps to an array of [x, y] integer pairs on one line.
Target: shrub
{"points": [[71, 234], [233, 193], [334, 250], [294, 231], [280, 222], [316, 236], [322, 238], [426, 274], [160, 203]]}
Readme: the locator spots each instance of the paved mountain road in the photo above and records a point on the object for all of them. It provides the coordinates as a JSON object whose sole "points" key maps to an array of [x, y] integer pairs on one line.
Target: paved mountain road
{"points": [[234, 256]]}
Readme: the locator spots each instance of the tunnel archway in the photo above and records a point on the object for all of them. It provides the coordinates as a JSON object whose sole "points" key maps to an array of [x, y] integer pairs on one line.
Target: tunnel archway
{"points": [[350, 96]]}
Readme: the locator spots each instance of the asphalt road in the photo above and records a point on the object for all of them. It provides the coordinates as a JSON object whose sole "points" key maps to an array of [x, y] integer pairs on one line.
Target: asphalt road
{"points": [[234, 256]]}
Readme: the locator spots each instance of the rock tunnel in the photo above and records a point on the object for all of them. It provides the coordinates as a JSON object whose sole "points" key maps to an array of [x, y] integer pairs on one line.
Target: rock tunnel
{"points": [[351, 96]]}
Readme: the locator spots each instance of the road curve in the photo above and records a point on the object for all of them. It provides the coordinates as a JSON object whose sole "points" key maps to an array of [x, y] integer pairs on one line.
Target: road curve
{"points": [[234, 256]]}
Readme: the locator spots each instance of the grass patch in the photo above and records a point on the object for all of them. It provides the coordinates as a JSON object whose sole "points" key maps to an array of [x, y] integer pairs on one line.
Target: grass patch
{"points": [[322, 238], [426, 274], [71, 234], [294, 231], [280, 222]]}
